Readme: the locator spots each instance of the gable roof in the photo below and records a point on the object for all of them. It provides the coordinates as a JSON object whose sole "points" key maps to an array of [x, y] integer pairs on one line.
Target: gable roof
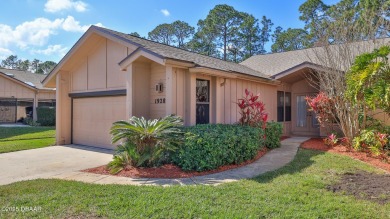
{"points": [[276, 63], [165, 52], [171, 52], [28, 79]]}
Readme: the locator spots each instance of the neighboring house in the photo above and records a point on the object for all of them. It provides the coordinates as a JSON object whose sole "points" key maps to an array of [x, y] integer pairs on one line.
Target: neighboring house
{"points": [[20, 93], [109, 76], [292, 69]]}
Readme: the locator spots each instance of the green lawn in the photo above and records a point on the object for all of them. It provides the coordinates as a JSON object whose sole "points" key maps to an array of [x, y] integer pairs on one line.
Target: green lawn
{"points": [[295, 191], [22, 138]]}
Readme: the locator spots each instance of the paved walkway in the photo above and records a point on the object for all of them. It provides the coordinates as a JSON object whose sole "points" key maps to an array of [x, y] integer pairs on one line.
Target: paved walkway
{"points": [[13, 125], [273, 160], [49, 161]]}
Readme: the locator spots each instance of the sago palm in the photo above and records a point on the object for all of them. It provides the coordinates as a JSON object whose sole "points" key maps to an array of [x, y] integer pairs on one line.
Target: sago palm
{"points": [[149, 138]]}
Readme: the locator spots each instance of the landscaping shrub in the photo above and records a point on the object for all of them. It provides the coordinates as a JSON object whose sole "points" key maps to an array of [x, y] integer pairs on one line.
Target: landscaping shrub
{"points": [[210, 146], [273, 132], [145, 143], [46, 116], [371, 140]]}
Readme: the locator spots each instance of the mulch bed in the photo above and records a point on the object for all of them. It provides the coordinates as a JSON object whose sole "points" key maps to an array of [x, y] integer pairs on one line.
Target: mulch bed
{"points": [[169, 171], [364, 185], [284, 137], [318, 144]]}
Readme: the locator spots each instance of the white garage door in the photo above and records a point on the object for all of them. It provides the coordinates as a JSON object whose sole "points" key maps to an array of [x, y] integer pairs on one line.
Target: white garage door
{"points": [[93, 117]]}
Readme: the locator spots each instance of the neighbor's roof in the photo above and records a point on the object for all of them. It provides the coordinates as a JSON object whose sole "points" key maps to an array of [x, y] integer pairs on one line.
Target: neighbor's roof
{"points": [[275, 63], [30, 79], [171, 52]]}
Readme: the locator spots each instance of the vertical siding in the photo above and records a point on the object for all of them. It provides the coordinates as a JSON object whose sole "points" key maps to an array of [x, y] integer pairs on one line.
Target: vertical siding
{"points": [[180, 89], [115, 53], [97, 67], [79, 77], [227, 101], [141, 90], [157, 110], [233, 101], [10, 89], [235, 89]]}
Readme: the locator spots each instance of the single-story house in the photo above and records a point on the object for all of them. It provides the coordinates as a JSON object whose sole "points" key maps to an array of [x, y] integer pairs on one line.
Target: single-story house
{"points": [[21, 92], [109, 76]]}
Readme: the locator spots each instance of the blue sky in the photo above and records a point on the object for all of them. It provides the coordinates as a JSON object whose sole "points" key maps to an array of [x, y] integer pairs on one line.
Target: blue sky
{"points": [[47, 29]]}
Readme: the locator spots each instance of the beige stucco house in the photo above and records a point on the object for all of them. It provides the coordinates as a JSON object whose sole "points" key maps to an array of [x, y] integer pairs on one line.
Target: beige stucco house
{"points": [[109, 76], [20, 93]]}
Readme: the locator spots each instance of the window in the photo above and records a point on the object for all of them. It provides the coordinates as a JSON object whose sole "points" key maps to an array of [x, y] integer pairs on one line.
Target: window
{"points": [[202, 101], [284, 106]]}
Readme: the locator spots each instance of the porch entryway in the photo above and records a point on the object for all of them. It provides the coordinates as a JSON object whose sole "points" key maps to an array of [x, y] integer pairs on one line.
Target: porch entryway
{"points": [[305, 121]]}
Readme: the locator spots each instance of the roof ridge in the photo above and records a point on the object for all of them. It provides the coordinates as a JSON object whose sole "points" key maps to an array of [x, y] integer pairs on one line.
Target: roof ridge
{"points": [[359, 41], [174, 47]]}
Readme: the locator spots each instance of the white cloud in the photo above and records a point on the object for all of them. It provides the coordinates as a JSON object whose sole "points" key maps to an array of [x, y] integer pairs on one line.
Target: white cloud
{"points": [[71, 25], [34, 32], [53, 6], [38, 31], [165, 12], [4, 53], [52, 50]]}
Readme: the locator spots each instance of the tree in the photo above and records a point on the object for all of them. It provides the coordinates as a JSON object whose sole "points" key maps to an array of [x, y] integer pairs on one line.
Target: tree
{"points": [[250, 35], [46, 67], [314, 14], [291, 39], [278, 30], [35, 66], [182, 31], [24, 65], [368, 82], [265, 33], [224, 22], [360, 19], [346, 25], [135, 34], [10, 62], [203, 41], [163, 33]]}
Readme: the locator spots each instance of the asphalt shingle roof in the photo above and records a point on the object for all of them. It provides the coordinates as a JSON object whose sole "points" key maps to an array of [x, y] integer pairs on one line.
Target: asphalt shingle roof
{"points": [[184, 55], [26, 77], [274, 63]]}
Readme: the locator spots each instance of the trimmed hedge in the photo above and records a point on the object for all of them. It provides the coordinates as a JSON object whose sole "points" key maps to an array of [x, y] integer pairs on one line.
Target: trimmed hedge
{"points": [[273, 132], [46, 116], [210, 146]]}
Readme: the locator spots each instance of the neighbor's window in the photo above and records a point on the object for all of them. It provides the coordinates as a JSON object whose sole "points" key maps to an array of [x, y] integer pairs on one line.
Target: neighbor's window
{"points": [[284, 106]]}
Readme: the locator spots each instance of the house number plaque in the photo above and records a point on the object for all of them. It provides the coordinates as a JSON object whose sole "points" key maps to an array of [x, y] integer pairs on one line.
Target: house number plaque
{"points": [[159, 100]]}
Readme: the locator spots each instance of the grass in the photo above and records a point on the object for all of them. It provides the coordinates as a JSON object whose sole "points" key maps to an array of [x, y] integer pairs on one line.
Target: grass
{"points": [[23, 138], [297, 190]]}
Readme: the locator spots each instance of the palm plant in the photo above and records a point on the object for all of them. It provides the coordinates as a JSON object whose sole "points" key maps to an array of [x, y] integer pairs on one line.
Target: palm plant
{"points": [[144, 142]]}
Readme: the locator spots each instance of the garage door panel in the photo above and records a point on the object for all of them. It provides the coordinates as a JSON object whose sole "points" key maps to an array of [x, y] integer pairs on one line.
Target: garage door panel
{"points": [[93, 118]]}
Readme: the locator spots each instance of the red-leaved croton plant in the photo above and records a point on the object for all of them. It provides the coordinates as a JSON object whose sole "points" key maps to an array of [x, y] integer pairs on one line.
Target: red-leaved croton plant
{"points": [[252, 110]]}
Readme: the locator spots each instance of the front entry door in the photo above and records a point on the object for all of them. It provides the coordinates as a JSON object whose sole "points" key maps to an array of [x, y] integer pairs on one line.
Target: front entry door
{"points": [[305, 122], [202, 101]]}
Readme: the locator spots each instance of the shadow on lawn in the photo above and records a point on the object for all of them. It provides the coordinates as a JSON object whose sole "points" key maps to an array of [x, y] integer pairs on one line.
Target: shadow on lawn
{"points": [[9, 132], [302, 160]]}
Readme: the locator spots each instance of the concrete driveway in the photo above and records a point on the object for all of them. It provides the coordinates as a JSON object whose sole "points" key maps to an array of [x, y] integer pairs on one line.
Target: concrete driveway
{"points": [[49, 162]]}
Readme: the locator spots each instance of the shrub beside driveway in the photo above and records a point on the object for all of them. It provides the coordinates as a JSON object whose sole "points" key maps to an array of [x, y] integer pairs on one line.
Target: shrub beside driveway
{"points": [[23, 138]]}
